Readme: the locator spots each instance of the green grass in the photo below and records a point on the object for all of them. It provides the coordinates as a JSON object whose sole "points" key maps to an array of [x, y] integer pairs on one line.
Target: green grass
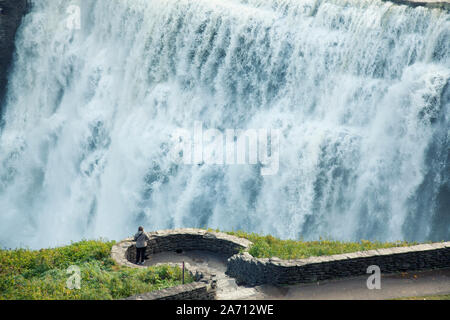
{"points": [[269, 246], [42, 274], [435, 297]]}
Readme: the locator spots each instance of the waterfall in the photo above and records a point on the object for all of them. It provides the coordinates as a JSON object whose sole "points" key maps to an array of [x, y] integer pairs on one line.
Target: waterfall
{"points": [[358, 90]]}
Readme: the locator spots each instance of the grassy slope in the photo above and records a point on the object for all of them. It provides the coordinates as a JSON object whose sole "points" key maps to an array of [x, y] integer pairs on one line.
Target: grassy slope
{"points": [[269, 246], [35, 275]]}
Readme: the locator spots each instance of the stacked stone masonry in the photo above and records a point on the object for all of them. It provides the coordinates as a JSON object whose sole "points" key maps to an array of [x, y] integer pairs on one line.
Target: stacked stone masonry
{"points": [[253, 271], [180, 239], [192, 291], [185, 240]]}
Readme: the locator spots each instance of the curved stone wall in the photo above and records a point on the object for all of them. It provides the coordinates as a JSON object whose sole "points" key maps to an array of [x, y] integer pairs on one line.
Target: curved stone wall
{"points": [[124, 252], [192, 291], [249, 270]]}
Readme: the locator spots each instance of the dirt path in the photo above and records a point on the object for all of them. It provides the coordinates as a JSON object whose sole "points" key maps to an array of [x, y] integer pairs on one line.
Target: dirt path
{"points": [[392, 286]]}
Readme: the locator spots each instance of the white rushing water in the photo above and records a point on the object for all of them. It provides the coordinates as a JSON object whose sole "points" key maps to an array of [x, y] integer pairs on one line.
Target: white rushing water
{"points": [[358, 89]]}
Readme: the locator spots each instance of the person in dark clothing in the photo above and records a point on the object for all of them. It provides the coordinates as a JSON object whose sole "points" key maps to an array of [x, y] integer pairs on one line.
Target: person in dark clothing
{"points": [[141, 239]]}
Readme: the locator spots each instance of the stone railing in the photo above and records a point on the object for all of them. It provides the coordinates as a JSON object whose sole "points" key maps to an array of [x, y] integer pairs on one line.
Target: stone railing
{"points": [[204, 287], [249, 270], [191, 291], [252, 271], [180, 240]]}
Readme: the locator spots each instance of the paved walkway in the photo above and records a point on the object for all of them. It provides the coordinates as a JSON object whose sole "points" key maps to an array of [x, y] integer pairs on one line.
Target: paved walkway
{"points": [[392, 286], [215, 264]]}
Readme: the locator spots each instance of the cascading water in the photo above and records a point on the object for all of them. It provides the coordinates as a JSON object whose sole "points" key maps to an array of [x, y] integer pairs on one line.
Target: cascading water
{"points": [[359, 90]]}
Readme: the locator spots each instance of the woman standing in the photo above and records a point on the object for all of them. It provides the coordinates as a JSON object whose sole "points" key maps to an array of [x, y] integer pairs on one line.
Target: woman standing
{"points": [[141, 239]]}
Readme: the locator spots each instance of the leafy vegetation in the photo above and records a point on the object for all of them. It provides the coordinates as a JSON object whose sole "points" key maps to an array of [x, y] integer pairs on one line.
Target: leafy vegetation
{"points": [[42, 274], [269, 246]]}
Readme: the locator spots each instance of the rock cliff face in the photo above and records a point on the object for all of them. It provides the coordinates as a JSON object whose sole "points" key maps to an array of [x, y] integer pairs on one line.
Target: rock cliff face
{"points": [[11, 13]]}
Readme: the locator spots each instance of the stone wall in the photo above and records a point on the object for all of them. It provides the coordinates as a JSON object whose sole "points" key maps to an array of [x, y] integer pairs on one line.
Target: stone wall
{"points": [[11, 13], [204, 287], [192, 291], [252, 271], [180, 239]]}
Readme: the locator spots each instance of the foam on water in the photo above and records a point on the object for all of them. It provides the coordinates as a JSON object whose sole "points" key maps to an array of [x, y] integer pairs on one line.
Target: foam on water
{"points": [[358, 89]]}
